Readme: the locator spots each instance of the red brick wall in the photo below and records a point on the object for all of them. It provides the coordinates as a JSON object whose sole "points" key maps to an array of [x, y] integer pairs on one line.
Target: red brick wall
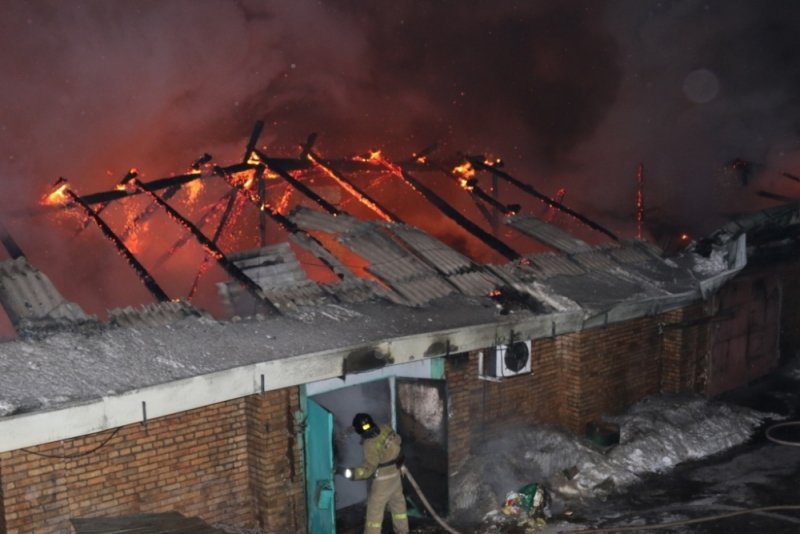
{"points": [[195, 462], [577, 378], [276, 469], [685, 349]]}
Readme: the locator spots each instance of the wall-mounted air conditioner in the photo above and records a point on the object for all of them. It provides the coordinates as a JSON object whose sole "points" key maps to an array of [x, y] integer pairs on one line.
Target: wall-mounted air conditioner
{"points": [[503, 361]]}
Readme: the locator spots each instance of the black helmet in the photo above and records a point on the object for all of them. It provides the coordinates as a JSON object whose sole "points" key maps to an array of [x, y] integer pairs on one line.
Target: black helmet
{"points": [[363, 423]]}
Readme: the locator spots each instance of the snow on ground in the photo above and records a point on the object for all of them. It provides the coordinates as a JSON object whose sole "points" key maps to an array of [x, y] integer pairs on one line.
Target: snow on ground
{"points": [[656, 434]]}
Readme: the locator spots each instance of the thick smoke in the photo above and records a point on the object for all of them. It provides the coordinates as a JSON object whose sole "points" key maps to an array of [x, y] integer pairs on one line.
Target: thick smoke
{"points": [[571, 94]]}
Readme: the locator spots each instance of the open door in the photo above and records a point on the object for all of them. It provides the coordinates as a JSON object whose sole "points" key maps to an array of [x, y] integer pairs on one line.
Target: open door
{"points": [[422, 422], [319, 469]]}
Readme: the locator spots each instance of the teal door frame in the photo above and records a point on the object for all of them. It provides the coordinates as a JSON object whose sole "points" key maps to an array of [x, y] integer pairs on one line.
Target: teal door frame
{"points": [[319, 469]]}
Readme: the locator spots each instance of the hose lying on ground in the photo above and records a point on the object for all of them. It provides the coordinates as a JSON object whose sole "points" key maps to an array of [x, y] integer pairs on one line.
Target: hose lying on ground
{"points": [[425, 502], [782, 441]]}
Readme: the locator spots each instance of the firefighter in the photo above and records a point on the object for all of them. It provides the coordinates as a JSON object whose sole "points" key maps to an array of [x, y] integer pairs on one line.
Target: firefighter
{"points": [[382, 460]]}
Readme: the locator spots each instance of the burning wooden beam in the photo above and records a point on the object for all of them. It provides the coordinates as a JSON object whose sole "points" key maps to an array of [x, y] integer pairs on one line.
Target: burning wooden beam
{"points": [[480, 164], [212, 249], [351, 188], [63, 193], [275, 166], [204, 218], [10, 244], [446, 209], [232, 210], [306, 239]]}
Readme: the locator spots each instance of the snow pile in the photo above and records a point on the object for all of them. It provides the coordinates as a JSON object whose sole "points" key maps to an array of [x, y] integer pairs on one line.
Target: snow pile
{"points": [[660, 432], [716, 262], [655, 435]]}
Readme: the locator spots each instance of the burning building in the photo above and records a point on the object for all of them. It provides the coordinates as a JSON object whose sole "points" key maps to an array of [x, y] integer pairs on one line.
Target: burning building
{"points": [[240, 420]]}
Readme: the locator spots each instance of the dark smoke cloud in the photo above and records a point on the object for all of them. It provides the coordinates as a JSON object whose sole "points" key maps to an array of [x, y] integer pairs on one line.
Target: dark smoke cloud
{"points": [[569, 93]]}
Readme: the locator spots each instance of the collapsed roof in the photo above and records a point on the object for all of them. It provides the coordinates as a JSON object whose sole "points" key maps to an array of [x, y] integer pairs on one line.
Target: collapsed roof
{"points": [[416, 298]]}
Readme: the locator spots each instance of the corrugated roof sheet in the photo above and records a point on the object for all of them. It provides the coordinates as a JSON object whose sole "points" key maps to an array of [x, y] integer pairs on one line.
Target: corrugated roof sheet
{"points": [[29, 296], [272, 266], [155, 314], [547, 233], [309, 219]]}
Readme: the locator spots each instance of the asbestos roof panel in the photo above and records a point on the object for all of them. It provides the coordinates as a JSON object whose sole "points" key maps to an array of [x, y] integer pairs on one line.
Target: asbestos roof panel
{"points": [[597, 290], [154, 314], [632, 253], [595, 260], [547, 265], [271, 267], [27, 294], [445, 258], [475, 283], [353, 290], [387, 260], [547, 233], [419, 291], [309, 219]]}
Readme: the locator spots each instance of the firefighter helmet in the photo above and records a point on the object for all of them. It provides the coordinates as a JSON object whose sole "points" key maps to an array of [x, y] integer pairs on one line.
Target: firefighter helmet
{"points": [[363, 423]]}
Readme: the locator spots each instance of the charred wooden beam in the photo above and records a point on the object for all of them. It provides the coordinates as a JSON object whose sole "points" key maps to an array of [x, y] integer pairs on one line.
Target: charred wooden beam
{"points": [[306, 239], [775, 196], [160, 183], [223, 222], [10, 244], [790, 176], [251, 144], [231, 268], [450, 212], [479, 163], [204, 218], [148, 281], [358, 193], [274, 165]]}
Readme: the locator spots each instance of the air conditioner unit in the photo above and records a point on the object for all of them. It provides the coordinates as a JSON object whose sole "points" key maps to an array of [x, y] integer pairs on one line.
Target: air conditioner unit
{"points": [[503, 361]]}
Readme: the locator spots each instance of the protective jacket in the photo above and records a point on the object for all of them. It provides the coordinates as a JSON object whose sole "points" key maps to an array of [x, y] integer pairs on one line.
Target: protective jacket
{"points": [[381, 453]]}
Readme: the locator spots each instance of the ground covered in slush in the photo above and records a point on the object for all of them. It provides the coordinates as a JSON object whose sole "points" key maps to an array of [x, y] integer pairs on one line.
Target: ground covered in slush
{"points": [[680, 458]]}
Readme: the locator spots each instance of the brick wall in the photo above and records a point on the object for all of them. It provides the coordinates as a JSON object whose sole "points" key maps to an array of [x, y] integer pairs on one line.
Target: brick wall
{"points": [[195, 462], [686, 348], [276, 468], [577, 378]]}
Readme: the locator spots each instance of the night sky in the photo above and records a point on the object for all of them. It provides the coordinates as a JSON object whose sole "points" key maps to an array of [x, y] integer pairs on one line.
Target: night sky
{"points": [[570, 93]]}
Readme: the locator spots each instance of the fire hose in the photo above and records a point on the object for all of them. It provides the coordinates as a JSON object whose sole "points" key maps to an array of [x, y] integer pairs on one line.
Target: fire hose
{"points": [[406, 473], [770, 436]]}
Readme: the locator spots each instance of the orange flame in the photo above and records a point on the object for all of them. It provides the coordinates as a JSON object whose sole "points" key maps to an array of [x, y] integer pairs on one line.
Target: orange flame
{"points": [[194, 188], [58, 196], [465, 170], [254, 159], [373, 156], [283, 203]]}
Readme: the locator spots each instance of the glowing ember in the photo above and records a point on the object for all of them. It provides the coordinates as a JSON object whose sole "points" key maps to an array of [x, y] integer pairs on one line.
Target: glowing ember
{"points": [[465, 170], [283, 203], [194, 188], [254, 159], [494, 293], [58, 196], [685, 237]]}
